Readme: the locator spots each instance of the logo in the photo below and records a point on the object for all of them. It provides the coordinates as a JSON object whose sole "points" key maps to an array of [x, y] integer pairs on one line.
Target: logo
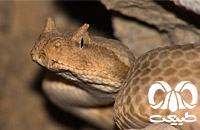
{"points": [[173, 101]]}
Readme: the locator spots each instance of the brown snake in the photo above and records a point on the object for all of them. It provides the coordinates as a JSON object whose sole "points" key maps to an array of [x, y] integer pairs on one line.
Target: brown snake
{"points": [[91, 73]]}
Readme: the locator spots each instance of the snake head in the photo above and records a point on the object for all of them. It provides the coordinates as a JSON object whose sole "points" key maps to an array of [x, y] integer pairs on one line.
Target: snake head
{"points": [[78, 56]]}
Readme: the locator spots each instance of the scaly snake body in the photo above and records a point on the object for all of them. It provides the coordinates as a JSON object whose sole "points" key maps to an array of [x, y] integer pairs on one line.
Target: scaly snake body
{"points": [[96, 72]]}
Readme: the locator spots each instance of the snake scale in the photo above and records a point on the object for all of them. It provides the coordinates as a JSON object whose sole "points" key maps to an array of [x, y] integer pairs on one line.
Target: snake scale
{"points": [[88, 74]]}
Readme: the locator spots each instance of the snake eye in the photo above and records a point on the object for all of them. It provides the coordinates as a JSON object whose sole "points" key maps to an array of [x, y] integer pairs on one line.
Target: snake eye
{"points": [[82, 42]]}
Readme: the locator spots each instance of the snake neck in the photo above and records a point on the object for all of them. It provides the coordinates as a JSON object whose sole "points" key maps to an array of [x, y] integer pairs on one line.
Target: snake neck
{"points": [[104, 93]]}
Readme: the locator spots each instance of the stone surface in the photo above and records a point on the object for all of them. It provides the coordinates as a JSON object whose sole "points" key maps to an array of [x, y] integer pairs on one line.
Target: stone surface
{"points": [[137, 36], [173, 24]]}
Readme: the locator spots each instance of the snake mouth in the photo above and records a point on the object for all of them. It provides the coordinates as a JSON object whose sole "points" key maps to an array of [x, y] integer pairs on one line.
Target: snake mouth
{"points": [[91, 77], [83, 76]]}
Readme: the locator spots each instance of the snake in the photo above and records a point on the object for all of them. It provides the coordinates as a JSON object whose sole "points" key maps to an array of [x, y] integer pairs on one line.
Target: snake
{"points": [[99, 80]]}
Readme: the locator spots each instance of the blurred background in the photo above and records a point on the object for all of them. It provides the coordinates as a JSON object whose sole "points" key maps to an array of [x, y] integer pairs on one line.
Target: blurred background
{"points": [[142, 26]]}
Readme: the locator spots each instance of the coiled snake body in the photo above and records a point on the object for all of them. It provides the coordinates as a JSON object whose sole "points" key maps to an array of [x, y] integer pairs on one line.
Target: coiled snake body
{"points": [[93, 72]]}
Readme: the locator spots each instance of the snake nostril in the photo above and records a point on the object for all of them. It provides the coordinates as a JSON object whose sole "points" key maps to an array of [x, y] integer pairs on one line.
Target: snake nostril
{"points": [[42, 54]]}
